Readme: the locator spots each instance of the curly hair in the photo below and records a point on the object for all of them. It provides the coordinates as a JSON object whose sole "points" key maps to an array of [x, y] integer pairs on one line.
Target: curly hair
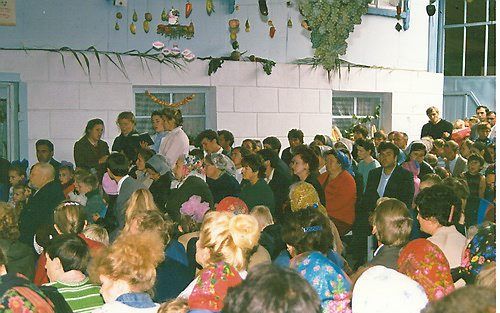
{"points": [[308, 157], [9, 228], [132, 258], [230, 238], [437, 202]]}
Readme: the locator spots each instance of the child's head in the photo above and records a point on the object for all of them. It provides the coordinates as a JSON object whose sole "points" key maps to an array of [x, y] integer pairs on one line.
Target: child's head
{"points": [[429, 180], [466, 148], [438, 147], [227, 237], [66, 253], [66, 173], [78, 175], [483, 130], [391, 221], [157, 121], [475, 163], [17, 175], [97, 233], [88, 183], [431, 159], [126, 122], [307, 230], [69, 217], [263, 216], [19, 194]]}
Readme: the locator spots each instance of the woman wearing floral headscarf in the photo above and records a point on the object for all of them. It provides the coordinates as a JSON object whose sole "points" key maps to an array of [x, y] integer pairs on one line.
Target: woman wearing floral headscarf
{"points": [[340, 190], [308, 237], [187, 171], [478, 253], [220, 173], [424, 262]]}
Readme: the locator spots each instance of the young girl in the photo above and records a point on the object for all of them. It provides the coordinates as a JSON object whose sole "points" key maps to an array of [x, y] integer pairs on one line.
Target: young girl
{"points": [[475, 180], [17, 175], [223, 250], [126, 142], [66, 177], [159, 128]]}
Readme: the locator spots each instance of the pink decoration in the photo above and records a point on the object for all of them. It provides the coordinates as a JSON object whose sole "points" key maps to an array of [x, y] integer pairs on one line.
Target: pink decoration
{"points": [[195, 208]]}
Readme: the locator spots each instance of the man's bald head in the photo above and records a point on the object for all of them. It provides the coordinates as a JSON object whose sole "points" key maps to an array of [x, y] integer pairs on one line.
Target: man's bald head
{"points": [[41, 174]]}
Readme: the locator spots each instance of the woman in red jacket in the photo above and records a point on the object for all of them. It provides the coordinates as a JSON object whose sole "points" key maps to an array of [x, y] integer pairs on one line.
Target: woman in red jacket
{"points": [[340, 190]]}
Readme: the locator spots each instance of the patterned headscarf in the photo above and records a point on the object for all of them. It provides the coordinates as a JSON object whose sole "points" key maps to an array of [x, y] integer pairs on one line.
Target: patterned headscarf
{"points": [[303, 195], [383, 290], [193, 165], [223, 163], [329, 281], [212, 285], [345, 162], [232, 205], [479, 252], [424, 262]]}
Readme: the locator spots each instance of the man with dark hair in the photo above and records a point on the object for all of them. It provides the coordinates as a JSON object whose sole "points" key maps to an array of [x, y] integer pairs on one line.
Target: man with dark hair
{"points": [[278, 178], [359, 131], [436, 127], [208, 139], [226, 141], [45, 154], [40, 209], [272, 289], [438, 209], [481, 114], [117, 168], [491, 118], [455, 163], [389, 180], [67, 260], [272, 143], [295, 139]]}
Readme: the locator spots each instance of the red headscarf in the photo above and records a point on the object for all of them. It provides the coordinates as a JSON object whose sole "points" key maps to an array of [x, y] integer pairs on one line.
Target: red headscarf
{"points": [[232, 205], [425, 263]]}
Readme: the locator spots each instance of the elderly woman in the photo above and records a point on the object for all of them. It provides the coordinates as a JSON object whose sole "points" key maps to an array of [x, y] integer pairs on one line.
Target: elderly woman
{"points": [[220, 173], [340, 190], [175, 143], [91, 152], [20, 257], [255, 191], [127, 272], [187, 171], [305, 168]]}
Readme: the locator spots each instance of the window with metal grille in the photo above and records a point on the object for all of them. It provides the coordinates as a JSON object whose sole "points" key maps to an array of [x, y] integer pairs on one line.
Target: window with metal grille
{"points": [[196, 117], [349, 107]]}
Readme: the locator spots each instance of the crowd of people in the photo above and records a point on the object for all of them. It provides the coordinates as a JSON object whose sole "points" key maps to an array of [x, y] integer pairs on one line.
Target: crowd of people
{"points": [[165, 223]]}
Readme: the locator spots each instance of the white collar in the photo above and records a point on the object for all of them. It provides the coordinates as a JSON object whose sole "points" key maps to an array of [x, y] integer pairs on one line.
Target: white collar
{"points": [[120, 182], [270, 176]]}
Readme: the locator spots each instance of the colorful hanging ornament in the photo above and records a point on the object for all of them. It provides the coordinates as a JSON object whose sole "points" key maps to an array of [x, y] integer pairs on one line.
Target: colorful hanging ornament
{"points": [[247, 26], [133, 29], [289, 24], [164, 16], [134, 16], [209, 6], [189, 9], [145, 26], [148, 16], [234, 28], [173, 17], [117, 27], [169, 104], [272, 31]]}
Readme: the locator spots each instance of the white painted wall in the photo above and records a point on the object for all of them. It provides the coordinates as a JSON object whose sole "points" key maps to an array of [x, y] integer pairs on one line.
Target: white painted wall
{"points": [[248, 102]]}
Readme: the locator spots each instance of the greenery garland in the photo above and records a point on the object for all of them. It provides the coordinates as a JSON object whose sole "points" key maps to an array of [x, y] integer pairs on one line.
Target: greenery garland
{"points": [[331, 22]]}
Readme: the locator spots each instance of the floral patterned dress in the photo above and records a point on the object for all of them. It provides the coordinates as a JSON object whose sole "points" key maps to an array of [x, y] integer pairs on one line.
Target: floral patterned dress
{"points": [[425, 263], [330, 282], [18, 295]]}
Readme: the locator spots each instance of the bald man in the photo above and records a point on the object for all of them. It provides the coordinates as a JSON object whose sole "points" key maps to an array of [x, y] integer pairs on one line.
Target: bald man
{"points": [[39, 212]]}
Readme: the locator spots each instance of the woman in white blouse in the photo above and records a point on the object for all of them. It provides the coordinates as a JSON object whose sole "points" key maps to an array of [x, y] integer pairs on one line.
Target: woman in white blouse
{"points": [[176, 142]]}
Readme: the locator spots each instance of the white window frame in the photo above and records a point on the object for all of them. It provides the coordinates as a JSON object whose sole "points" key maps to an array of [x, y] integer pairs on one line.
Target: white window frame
{"points": [[12, 119]]}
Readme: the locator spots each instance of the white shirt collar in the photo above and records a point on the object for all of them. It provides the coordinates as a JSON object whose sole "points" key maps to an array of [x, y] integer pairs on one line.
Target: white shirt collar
{"points": [[270, 176], [120, 182]]}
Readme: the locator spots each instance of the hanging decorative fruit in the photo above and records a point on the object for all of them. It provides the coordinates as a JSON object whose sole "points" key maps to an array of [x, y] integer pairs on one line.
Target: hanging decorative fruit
{"points": [[145, 25], [272, 31], [234, 28], [148, 16], [305, 25], [263, 7], [189, 9], [117, 27], [209, 6], [164, 16], [132, 28], [134, 16], [289, 24], [398, 27], [247, 26], [119, 15]]}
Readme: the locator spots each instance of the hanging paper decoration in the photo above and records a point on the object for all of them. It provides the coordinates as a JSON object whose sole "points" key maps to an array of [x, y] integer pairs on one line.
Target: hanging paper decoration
{"points": [[209, 6], [169, 104], [189, 9]]}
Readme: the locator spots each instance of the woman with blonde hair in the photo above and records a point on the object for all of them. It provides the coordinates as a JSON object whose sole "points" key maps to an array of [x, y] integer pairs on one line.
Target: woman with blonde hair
{"points": [[223, 250], [127, 272], [140, 200]]}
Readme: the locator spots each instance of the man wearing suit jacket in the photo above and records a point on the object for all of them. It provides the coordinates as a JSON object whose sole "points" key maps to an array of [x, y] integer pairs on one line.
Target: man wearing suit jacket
{"points": [[455, 163], [278, 178], [388, 180], [117, 168], [40, 208]]}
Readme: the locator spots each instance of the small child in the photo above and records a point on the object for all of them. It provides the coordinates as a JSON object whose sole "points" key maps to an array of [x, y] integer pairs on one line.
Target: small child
{"points": [[17, 175], [270, 233], [483, 133], [392, 225], [95, 208], [475, 180], [263, 216], [97, 233], [76, 195], [19, 197], [66, 177]]}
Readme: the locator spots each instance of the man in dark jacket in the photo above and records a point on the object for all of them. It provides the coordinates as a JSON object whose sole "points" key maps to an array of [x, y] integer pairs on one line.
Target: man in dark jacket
{"points": [[41, 205], [295, 139]]}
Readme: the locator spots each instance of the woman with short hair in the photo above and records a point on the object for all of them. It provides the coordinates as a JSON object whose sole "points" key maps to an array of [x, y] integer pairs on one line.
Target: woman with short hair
{"points": [[91, 152]]}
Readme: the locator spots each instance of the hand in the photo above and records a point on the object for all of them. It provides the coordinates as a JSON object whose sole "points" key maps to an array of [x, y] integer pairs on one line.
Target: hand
{"points": [[95, 217], [143, 144]]}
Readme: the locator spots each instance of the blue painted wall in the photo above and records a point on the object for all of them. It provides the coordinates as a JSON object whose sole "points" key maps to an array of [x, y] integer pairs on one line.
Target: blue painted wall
{"points": [[83, 23]]}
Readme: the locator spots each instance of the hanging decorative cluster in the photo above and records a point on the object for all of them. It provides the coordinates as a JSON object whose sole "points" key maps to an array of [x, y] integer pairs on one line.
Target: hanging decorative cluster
{"points": [[330, 23], [169, 104], [173, 30]]}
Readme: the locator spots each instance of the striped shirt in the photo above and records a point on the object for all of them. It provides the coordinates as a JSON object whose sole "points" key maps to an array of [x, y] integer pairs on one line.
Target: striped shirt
{"points": [[82, 297]]}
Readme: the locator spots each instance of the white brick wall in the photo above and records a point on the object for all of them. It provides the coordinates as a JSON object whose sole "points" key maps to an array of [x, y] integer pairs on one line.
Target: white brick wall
{"points": [[248, 102]]}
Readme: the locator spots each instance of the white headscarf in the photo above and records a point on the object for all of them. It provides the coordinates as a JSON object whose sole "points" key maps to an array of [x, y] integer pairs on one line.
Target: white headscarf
{"points": [[384, 290]]}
